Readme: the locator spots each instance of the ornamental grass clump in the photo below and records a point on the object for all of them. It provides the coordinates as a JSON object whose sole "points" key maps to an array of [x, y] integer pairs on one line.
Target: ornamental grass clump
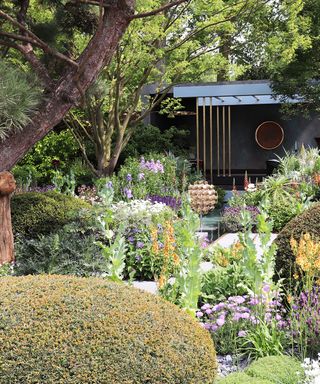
{"points": [[69, 330]]}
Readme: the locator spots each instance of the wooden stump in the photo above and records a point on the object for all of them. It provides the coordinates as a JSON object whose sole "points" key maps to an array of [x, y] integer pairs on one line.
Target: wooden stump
{"points": [[7, 187]]}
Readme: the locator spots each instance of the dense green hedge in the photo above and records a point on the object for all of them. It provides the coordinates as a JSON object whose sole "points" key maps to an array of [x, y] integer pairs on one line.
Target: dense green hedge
{"points": [[307, 222], [71, 330], [36, 213]]}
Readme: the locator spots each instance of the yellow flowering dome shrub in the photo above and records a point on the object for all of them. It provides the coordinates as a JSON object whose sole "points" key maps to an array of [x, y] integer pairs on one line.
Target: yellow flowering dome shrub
{"points": [[71, 330], [308, 223]]}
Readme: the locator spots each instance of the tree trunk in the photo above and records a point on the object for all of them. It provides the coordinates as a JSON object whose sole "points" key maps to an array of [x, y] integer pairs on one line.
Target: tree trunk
{"points": [[108, 170], [71, 86], [223, 72], [7, 187]]}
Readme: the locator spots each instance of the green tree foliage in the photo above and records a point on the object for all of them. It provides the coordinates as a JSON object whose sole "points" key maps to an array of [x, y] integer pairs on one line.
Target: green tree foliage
{"points": [[184, 44], [272, 41], [300, 76]]}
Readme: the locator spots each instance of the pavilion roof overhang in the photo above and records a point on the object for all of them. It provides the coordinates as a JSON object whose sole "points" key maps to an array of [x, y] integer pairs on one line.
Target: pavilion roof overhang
{"points": [[230, 93]]}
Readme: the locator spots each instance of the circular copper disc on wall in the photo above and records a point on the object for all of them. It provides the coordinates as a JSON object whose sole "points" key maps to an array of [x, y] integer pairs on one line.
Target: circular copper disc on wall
{"points": [[269, 135]]}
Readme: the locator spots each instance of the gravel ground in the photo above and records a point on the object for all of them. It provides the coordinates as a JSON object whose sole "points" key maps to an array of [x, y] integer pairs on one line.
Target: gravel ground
{"points": [[228, 364]]}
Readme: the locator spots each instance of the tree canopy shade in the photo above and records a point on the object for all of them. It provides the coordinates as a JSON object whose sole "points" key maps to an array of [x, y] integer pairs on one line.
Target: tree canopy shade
{"points": [[65, 77], [188, 44]]}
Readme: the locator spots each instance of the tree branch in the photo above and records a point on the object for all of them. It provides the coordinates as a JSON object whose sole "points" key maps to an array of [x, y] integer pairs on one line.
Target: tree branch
{"points": [[38, 67], [33, 39], [158, 10]]}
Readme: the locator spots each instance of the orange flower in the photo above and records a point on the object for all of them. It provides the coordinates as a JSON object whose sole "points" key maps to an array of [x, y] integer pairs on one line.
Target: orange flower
{"points": [[307, 253]]}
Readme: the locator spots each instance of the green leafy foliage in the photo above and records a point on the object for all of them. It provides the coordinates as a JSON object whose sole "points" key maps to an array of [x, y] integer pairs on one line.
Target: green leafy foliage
{"points": [[115, 255], [69, 250], [295, 78], [58, 151], [154, 174], [59, 330], [36, 213], [148, 138]]}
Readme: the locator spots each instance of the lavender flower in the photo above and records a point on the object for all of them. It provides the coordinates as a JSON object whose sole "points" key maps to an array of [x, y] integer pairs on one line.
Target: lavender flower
{"points": [[129, 177], [170, 201]]}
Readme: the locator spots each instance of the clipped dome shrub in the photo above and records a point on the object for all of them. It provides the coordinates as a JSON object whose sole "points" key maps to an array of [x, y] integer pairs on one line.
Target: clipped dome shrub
{"points": [[277, 369], [241, 378], [71, 330], [307, 222], [35, 213]]}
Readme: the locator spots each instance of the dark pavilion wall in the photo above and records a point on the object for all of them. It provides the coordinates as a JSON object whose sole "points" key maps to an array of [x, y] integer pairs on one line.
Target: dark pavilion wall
{"points": [[246, 153]]}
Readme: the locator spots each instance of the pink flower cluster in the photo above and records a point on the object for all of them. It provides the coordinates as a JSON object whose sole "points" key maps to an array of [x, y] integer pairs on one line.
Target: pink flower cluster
{"points": [[153, 166]]}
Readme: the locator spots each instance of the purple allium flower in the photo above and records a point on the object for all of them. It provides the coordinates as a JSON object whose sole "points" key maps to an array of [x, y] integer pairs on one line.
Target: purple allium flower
{"points": [[237, 316], [221, 321], [138, 258], [140, 244], [109, 184], [205, 306], [199, 314], [131, 239], [129, 177], [214, 327], [253, 301], [242, 334], [237, 299]]}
